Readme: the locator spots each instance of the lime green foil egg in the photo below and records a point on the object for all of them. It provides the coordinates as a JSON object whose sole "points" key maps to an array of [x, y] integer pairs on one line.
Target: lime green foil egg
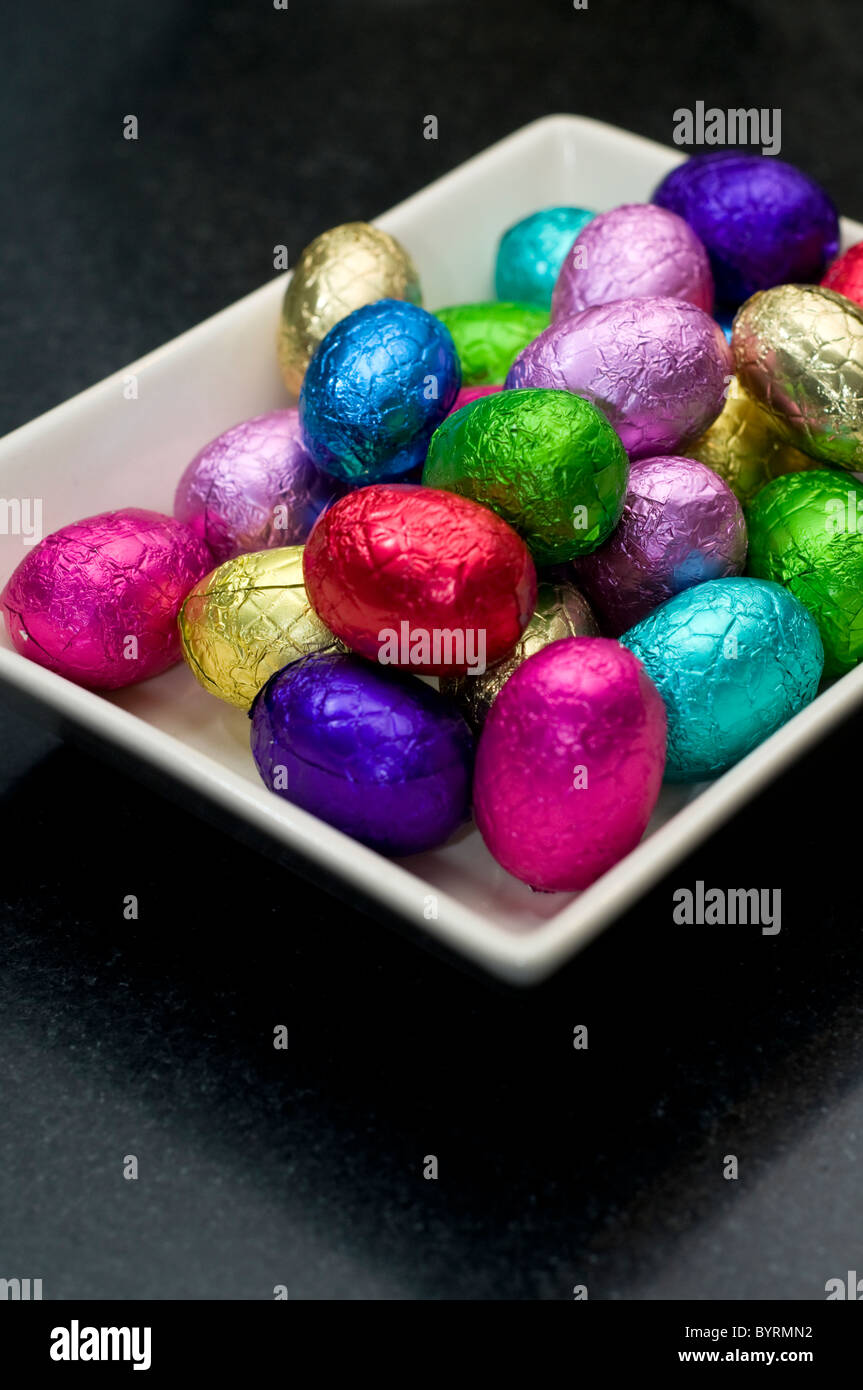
{"points": [[546, 461], [806, 532], [489, 336]]}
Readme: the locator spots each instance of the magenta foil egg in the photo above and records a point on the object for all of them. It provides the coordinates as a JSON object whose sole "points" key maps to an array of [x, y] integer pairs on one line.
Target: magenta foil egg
{"points": [[681, 525], [467, 394], [657, 368], [97, 601], [634, 250], [254, 487], [570, 763]]}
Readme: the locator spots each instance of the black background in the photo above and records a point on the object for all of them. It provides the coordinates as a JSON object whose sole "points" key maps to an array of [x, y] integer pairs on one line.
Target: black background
{"points": [[154, 1037]]}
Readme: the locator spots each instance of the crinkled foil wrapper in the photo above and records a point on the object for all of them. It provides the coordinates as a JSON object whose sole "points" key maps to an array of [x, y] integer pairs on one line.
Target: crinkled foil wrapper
{"points": [[798, 351], [248, 619], [488, 336], [744, 447], [341, 270], [561, 611]]}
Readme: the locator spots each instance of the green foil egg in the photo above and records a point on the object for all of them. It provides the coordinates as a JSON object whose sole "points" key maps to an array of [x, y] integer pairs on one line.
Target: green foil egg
{"points": [[806, 532], [489, 336], [546, 461]]}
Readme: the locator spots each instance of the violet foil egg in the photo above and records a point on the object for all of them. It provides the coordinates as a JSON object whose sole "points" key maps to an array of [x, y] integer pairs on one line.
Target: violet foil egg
{"points": [[375, 391], [254, 488], [681, 525], [733, 659], [657, 368], [97, 601], [634, 250], [569, 763], [762, 221], [376, 753]]}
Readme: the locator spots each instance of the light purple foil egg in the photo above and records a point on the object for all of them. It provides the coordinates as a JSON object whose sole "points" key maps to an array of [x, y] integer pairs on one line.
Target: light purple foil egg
{"points": [[254, 487], [97, 601], [681, 525], [634, 250], [570, 763], [658, 368]]}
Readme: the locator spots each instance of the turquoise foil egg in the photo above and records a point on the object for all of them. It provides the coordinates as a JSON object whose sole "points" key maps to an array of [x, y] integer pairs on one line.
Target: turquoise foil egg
{"points": [[733, 659], [530, 254]]}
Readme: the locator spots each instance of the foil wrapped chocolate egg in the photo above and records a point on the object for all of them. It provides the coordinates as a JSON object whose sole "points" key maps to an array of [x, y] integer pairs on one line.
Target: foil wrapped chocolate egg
{"points": [[468, 394], [247, 619], [569, 763], [561, 611], [375, 753], [530, 254], [489, 336], [733, 659], [806, 532], [798, 351], [341, 270], [657, 368], [254, 487], [681, 525], [97, 601], [762, 221], [633, 251], [845, 275], [376, 390], [548, 462], [744, 448], [422, 579]]}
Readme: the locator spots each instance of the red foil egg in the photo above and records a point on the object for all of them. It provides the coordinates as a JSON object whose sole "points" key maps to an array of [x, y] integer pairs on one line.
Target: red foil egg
{"points": [[845, 275], [420, 579]]}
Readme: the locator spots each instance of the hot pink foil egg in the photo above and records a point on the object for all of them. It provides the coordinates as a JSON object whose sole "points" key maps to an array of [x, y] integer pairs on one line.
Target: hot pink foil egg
{"points": [[254, 487], [570, 763], [658, 368], [681, 525], [472, 393], [634, 250], [97, 601]]}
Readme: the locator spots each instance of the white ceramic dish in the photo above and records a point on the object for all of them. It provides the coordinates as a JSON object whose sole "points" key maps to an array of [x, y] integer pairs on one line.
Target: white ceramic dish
{"points": [[101, 450]]}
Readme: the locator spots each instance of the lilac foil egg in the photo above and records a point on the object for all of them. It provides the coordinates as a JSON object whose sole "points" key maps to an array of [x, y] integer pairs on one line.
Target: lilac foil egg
{"points": [[97, 601], [570, 763], [657, 368], [373, 751], [633, 251], [681, 525], [254, 488], [762, 221]]}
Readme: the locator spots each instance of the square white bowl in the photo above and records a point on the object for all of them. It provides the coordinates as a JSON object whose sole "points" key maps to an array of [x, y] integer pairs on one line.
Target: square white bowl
{"points": [[101, 450]]}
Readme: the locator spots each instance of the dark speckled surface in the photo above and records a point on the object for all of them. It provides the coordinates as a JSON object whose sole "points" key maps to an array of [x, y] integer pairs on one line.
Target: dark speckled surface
{"points": [[154, 1037]]}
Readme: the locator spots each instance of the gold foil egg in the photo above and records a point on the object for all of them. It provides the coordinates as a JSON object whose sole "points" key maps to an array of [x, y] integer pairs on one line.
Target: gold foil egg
{"points": [[341, 270], [247, 619], [561, 611], [743, 447], [798, 351]]}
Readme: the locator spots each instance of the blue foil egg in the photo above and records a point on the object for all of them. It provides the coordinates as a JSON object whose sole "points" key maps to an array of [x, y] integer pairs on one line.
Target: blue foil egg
{"points": [[733, 659], [376, 390], [531, 253]]}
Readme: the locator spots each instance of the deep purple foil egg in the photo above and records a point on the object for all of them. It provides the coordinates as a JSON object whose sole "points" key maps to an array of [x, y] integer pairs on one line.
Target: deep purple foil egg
{"points": [[373, 751], [763, 222], [657, 368], [634, 250], [254, 487], [681, 525]]}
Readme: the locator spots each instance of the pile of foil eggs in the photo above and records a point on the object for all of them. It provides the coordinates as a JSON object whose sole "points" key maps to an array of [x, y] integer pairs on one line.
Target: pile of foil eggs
{"points": [[521, 559]]}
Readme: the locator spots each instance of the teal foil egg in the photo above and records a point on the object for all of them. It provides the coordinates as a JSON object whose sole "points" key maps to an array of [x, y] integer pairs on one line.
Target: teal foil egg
{"points": [[530, 254], [733, 659]]}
